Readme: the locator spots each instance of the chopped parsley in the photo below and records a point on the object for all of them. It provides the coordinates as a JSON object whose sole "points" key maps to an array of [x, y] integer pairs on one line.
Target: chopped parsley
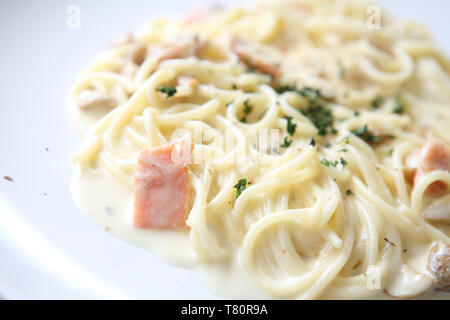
{"points": [[322, 118], [286, 88], [313, 142], [169, 91], [334, 164], [240, 187], [325, 162], [364, 134], [247, 107], [311, 94], [399, 106], [356, 113], [319, 115], [348, 192], [287, 143], [391, 151], [229, 103], [376, 104], [234, 87], [343, 150], [290, 128], [346, 140], [247, 110]]}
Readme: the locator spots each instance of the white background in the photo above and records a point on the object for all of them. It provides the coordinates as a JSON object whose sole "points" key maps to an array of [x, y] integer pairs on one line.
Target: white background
{"points": [[47, 248]]}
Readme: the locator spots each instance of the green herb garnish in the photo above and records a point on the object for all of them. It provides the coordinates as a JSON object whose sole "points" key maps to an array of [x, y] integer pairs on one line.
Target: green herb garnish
{"points": [[364, 134], [376, 104], [169, 91], [322, 118], [240, 187], [343, 162], [286, 88], [311, 94], [348, 192], [399, 106], [247, 107], [290, 128], [313, 142], [346, 140], [325, 162], [287, 143]]}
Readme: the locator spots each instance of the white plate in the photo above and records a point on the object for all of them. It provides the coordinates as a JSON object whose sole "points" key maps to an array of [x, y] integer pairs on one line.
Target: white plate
{"points": [[48, 249]]}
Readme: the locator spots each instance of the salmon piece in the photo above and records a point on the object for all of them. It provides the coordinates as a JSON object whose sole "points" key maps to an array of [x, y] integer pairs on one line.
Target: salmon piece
{"points": [[254, 58], [439, 265], [126, 39], [435, 155], [200, 14], [161, 188], [183, 47], [88, 99]]}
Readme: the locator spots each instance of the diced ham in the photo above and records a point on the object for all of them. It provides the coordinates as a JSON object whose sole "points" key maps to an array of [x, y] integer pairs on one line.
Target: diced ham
{"points": [[254, 58], [161, 191], [439, 265], [435, 155]]}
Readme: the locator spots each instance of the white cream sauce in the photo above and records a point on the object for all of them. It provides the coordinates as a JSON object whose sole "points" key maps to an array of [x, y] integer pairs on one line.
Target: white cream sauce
{"points": [[110, 206]]}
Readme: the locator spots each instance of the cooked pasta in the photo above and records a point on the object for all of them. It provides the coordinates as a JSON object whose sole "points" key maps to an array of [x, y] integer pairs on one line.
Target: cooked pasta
{"points": [[313, 132]]}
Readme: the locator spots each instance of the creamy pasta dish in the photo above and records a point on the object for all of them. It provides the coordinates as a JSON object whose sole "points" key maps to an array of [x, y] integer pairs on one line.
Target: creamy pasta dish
{"points": [[287, 150]]}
